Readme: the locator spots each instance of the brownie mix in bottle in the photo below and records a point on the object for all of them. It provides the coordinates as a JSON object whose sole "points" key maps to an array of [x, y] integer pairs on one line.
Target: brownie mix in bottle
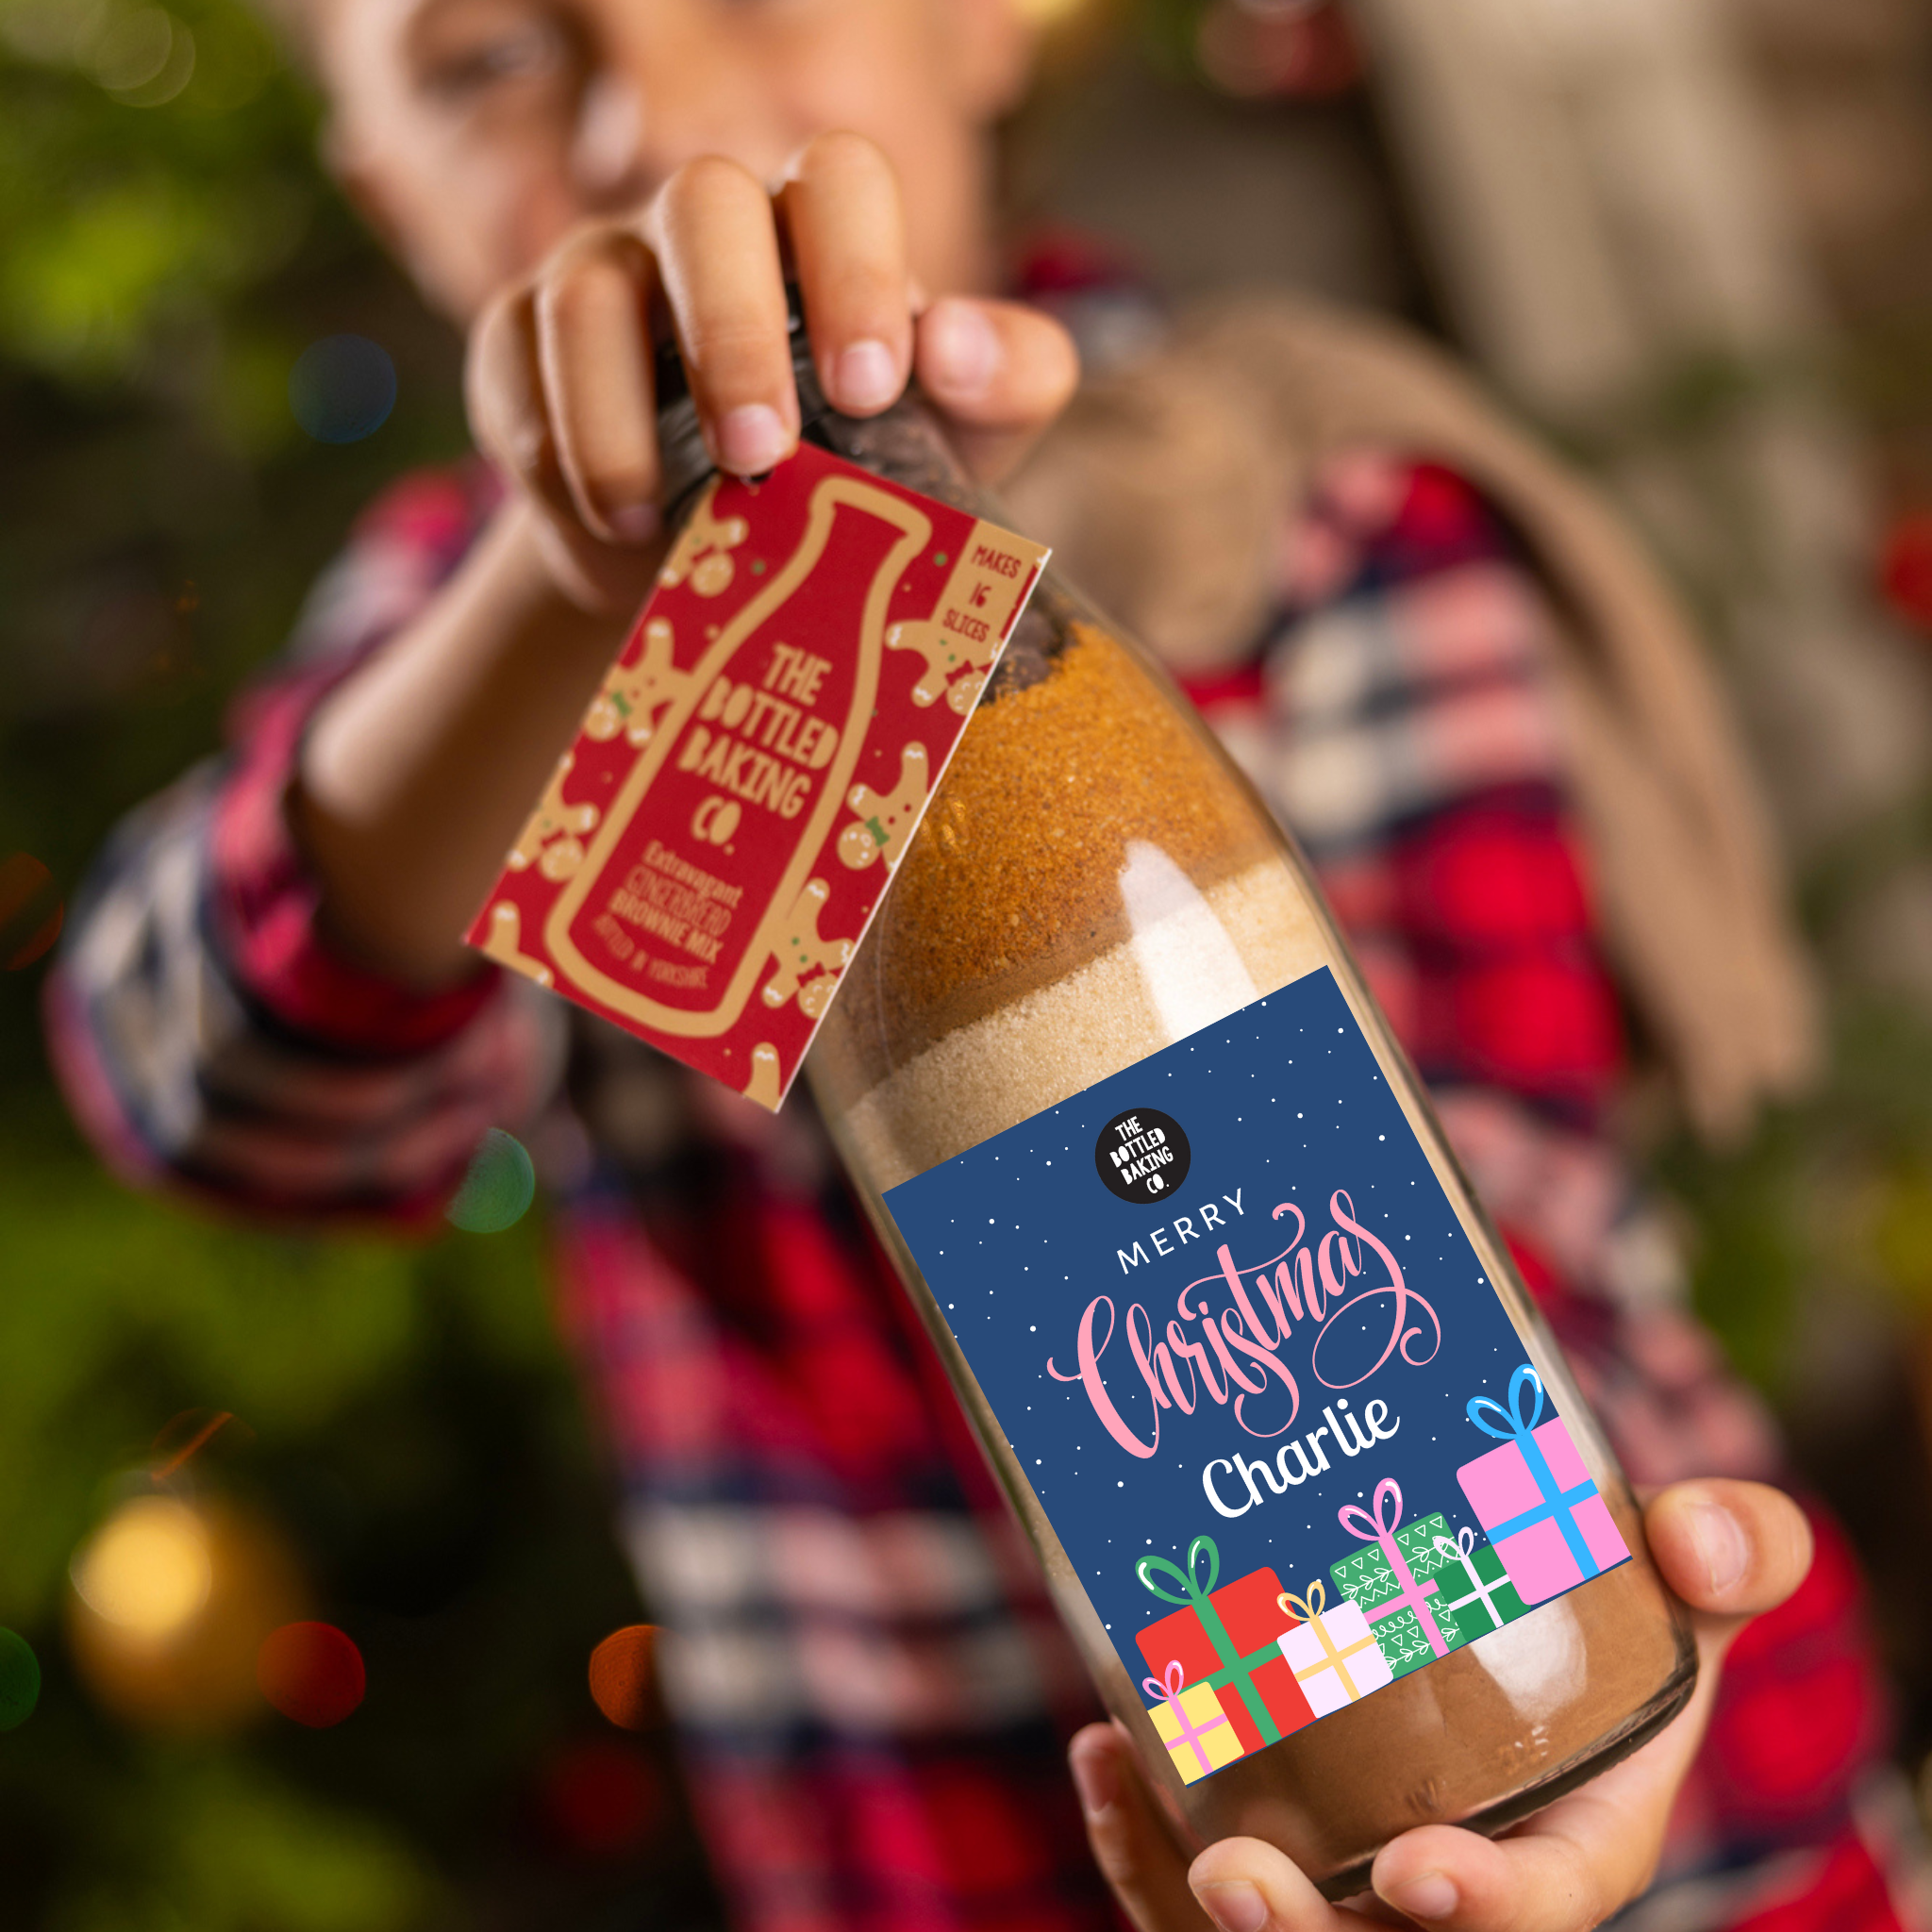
{"points": [[1315, 1494]]}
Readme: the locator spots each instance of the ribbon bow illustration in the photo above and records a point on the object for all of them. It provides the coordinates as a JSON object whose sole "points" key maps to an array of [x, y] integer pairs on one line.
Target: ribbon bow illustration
{"points": [[1517, 1425], [1187, 1731], [1380, 1528], [1520, 1432], [1464, 1548], [1198, 1595], [1310, 1609]]}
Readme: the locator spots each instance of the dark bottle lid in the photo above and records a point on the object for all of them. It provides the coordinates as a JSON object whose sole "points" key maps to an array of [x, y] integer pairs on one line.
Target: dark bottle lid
{"points": [[680, 439]]}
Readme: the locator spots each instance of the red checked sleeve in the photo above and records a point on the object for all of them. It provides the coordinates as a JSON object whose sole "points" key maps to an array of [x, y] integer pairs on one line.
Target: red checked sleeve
{"points": [[206, 1034], [1400, 718]]}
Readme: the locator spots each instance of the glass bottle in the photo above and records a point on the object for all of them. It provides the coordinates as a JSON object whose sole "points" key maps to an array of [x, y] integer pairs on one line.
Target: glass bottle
{"points": [[1096, 896]]}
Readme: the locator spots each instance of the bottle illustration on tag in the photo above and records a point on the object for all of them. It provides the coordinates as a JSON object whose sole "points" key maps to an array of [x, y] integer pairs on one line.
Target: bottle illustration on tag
{"points": [[701, 867]]}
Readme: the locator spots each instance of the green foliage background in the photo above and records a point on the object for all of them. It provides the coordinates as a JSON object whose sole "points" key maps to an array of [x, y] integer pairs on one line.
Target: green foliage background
{"points": [[406, 1422]]}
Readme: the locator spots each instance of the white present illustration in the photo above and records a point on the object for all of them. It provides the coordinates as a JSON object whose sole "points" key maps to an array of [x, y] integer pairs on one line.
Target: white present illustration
{"points": [[1333, 1653]]}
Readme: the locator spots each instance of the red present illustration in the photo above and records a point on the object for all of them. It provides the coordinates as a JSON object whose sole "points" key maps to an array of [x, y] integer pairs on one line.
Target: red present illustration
{"points": [[1228, 1639]]}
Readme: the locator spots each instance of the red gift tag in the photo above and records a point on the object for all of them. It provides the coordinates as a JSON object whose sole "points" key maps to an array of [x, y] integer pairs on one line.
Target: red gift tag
{"points": [[710, 850]]}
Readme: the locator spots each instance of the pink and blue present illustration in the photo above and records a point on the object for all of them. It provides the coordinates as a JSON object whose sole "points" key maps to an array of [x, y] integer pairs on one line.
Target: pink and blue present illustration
{"points": [[1547, 1520]]}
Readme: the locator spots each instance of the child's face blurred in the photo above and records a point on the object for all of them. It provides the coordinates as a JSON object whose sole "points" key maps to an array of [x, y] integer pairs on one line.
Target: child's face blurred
{"points": [[479, 132]]}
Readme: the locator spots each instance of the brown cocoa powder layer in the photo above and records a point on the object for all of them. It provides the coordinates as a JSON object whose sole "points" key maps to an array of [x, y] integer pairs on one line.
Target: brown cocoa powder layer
{"points": [[1014, 875], [1454, 1740]]}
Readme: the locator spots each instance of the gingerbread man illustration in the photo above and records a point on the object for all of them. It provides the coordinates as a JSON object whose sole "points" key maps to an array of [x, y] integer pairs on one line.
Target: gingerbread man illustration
{"points": [[944, 653], [886, 819], [703, 552], [553, 839], [504, 943], [633, 696], [808, 964]]}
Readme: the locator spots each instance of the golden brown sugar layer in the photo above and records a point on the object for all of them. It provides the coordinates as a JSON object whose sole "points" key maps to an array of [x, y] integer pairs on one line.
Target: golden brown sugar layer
{"points": [[1014, 876]]}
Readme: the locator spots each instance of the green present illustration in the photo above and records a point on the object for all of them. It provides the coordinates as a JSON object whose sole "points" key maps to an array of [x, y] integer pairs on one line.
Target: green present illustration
{"points": [[1479, 1594], [1404, 1648], [1397, 1581]]}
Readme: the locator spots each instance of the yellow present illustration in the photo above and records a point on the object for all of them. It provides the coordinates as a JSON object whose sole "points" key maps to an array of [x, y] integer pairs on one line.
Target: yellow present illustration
{"points": [[1192, 1725]]}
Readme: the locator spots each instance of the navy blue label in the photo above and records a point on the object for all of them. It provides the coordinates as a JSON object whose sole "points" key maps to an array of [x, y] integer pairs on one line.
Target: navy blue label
{"points": [[1262, 1384]]}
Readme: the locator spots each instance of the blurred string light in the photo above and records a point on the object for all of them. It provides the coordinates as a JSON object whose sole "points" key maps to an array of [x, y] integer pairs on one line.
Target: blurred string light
{"points": [[1906, 567], [146, 1571], [144, 56], [20, 1680], [311, 1673], [342, 389], [623, 1679], [144, 59], [1051, 13], [30, 910], [603, 1798], [497, 1191], [170, 1605]]}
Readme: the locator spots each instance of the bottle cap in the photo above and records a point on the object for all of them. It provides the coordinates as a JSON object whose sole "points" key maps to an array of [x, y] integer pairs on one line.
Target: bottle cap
{"points": [[681, 449]]}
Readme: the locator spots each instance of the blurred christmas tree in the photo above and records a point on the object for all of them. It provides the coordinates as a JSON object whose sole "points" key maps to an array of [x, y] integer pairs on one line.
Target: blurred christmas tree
{"points": [[405, 1443]]}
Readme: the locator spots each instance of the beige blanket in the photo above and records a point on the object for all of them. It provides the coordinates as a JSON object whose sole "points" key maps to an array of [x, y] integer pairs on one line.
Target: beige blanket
{"points": [[1163, 491]]}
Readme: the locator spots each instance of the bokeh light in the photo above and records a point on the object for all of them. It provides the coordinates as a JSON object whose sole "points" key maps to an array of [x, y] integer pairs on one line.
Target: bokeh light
{"points": [[143, 58], [311, 1673], [1052, 13], [171, 1605], [1302, 49], [497, 1191], [1906, 567], [342, 389], [30, 910], [623, 1679], [603, 1798], [20, 1680], [146, 1570]]}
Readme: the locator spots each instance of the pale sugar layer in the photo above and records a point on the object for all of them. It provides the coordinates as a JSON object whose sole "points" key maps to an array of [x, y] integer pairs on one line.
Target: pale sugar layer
{"points": [[1108, 1014]]}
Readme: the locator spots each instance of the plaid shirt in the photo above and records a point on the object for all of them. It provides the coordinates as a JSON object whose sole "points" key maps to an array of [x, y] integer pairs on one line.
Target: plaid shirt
{"points": [[872, 1690]]}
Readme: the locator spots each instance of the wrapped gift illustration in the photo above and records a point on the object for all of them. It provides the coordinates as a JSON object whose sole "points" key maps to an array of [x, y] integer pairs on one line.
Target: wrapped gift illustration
{"points": [[1333, 1653], [1480, 1596], [1226, 1638], [1546, 1519], [1192, 1725], [1409, 1623]]}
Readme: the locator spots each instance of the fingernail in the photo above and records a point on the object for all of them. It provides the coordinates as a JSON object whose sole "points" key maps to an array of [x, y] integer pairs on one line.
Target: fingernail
{"points": [[1720, 1541], [636, 523], [962, 349], [1432, 1896], [752, 440], [1096, 1777], [865, 376], [1235, 1907]]}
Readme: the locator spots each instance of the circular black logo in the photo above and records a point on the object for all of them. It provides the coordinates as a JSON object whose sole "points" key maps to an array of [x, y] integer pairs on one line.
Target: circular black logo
{"points": [[1142, 1155]]}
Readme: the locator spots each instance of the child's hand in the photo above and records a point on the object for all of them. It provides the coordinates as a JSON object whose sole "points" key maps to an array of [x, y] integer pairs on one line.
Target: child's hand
{"points": [[1730, 1550], [560, 378]]}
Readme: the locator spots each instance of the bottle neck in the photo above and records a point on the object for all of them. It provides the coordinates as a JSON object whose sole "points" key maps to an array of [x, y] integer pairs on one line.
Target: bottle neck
{"points": [[904, 444]]}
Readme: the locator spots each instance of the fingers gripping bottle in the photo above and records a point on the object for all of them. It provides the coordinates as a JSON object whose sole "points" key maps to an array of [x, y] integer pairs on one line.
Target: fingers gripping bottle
{"points": [[1313, 1491]]}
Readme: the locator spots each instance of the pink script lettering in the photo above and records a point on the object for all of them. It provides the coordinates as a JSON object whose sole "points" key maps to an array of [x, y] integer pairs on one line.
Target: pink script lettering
{"points": [[1328, 1296]]}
